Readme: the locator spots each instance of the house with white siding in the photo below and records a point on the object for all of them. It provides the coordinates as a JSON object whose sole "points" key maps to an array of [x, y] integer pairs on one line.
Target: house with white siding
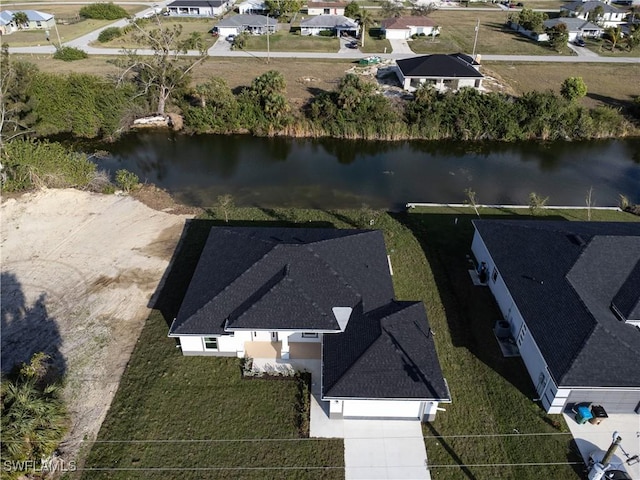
{"points": [[36, 21], [325, 8], [405, 27], [252, 24], [441, 71], [610, 16], [338, 24], [570, 292], [292, 294], [198, 8]]}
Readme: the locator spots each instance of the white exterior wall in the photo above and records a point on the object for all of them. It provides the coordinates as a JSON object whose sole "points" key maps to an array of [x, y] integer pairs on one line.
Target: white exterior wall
{"points": [[467, 82], [311, 31], [529, 351], [397, 34], [227, 344], [320, 11], [381, 408]]}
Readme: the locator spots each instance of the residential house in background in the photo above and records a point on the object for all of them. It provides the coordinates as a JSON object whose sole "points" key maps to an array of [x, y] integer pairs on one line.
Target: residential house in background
{"points": [[198, 8], [325, 8], [253, 24], [406, 27], [570, 292], [252, 7], [576, 28], [338, 24], [443, 72], [300, 294], [610, 16], [37, 21]]}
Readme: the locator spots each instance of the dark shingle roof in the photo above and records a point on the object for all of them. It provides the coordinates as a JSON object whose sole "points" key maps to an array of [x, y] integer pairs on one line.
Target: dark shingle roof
{"points": [[392, 342], [283, 278], [563, 277], [455, 65], [627, 300]]}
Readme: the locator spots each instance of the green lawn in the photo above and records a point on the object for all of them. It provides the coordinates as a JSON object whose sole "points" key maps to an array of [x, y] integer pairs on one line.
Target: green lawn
{"points": [[289, 42], [250, 429], [373, 43], [491, 394], [458, 34]]}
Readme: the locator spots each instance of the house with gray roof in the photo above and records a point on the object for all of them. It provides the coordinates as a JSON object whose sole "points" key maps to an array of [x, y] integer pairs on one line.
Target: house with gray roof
{"points": [[610, 16], [253, 24], [576, 28], [296, 294], [36, 21], [442, 71], [570, 292], [338, 24]]}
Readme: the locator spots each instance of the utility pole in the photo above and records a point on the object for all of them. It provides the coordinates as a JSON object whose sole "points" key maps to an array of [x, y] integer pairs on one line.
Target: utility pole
{"points": [[475, 41], [268, 49]]}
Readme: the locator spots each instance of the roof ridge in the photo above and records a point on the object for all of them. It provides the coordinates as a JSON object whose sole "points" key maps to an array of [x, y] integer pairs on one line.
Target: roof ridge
{"points": [[333, 271]]}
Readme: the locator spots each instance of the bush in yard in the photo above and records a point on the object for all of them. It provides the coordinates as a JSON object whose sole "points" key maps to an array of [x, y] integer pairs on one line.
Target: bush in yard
{"points": [[573, 88], [326, 33], [103, 11], [69, 54], [109, 34], [126, 180]]}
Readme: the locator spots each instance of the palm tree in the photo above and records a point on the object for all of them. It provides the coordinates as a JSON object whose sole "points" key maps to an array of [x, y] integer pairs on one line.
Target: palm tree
{"points": [[20, 19], [615, 34], [365, 18]]}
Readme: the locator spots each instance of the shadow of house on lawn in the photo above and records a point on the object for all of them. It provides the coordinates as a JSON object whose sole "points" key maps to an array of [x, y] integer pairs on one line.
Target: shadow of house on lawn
{"points": [[27, 329], [175, 281], [471, 311]]}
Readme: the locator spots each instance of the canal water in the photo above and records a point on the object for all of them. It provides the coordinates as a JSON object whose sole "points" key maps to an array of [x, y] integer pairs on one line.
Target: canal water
{"points": [[330, 173]]}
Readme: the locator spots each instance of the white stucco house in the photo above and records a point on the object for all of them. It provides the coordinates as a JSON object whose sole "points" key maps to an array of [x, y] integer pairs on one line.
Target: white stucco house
{"points": [[253, 24], [576, 28], [443, 72], [610, 17], [570, 292], [405, 27], [325, 8], [198, 8], [338, 24], [252, 6], [36, 21], [308, 293]]}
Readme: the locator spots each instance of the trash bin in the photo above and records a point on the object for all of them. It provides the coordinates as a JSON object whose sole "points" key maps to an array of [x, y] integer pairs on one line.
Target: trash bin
{"points": [[599, 414], [583, 415]]}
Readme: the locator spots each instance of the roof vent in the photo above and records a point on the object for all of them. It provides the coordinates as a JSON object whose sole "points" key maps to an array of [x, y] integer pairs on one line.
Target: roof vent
{"points": [[576, 239]]}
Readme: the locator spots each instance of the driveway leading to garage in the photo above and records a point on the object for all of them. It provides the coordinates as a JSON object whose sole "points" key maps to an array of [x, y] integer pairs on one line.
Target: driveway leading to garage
{"points": [[384, 449], [400, 47]]}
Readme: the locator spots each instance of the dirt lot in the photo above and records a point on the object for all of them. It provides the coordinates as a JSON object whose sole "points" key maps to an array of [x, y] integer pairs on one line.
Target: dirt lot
{"points": [[78, 271]]}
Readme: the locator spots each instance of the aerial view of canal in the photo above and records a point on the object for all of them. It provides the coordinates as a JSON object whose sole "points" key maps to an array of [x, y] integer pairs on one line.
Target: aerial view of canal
{"points": [[330, 173]]}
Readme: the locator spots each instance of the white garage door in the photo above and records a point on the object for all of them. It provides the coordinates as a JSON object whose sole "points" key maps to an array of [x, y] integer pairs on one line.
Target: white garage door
{"points": [[381, 408]]}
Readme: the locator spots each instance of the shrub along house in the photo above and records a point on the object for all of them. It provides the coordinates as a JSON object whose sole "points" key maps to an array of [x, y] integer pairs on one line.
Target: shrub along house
{"points": [[443, 72], [570, 292], [300, 293]]}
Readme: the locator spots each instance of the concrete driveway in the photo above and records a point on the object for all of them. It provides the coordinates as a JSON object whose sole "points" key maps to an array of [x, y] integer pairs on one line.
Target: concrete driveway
{"points": [[590, 437], [400, 47]]}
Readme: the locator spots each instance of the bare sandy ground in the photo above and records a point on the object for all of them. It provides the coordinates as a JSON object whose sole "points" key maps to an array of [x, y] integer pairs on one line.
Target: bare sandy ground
{"points": [[78, 270]]}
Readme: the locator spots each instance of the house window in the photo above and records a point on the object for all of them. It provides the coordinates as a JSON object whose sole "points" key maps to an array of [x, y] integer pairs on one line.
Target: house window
{"points": [[39, 24], [494, 275], [309, 335], [326, 11], [210, 343]]}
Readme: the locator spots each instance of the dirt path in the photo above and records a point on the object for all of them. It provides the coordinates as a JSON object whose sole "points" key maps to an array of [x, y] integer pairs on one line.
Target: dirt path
{"points": [[78, 270]]}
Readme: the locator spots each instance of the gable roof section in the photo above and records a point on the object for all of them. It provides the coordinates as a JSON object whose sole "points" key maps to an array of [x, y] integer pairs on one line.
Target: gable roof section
{"points": [[392, 342], [282, 279], [243, 20], [580, 6], [563, 277], [6, 16], [573, 24], [454, 65], [402, 23], [329, 21], [626, 303]]}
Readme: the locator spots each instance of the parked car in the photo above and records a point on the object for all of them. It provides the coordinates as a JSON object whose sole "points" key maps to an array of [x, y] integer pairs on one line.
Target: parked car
{"points": [[579, 42], [353, 44], [231, 38]]}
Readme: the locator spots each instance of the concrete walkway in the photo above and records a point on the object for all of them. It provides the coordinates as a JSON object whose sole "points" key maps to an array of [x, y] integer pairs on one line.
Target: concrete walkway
{"points": [[373, 449], [400, 46]]}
